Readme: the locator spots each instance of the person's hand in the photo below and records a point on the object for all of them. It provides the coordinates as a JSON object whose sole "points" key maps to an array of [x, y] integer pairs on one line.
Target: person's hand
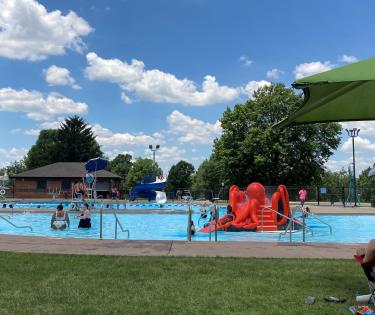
{"points": [[361, 251]]}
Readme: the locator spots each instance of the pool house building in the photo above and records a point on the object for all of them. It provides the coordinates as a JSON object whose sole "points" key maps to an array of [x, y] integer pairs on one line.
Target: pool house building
{"points": [[56, 181]]}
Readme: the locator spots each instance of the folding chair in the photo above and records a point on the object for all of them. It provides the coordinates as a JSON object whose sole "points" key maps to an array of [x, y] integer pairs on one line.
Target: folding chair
{"points": [[370, 275]]}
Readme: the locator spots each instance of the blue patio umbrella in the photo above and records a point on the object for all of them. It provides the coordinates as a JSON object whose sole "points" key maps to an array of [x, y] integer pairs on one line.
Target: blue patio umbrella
{"points": [[96, 164]]}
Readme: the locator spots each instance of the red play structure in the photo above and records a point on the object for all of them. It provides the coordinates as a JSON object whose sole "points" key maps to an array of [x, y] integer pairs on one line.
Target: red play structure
{"points": [[253, 210]]}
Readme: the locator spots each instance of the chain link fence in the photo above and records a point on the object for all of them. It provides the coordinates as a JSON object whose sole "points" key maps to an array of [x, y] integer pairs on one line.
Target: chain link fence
{"points": [[319, 195]]}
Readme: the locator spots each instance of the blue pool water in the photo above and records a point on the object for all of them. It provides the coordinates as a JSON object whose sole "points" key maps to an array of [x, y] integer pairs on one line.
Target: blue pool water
{"points": [[109, 205], [346, 228]]}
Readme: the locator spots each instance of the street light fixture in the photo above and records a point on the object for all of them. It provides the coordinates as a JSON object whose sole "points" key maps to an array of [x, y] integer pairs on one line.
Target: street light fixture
{"points": [[353, 133], [157, 147]]}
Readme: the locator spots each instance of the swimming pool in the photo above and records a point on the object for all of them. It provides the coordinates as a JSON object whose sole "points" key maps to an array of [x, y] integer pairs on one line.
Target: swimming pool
{"points": [[346, 228]]}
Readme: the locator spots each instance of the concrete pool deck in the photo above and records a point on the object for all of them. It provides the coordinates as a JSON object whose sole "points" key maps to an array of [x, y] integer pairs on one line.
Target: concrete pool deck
{"points": [[76, 246], [327, 209]]}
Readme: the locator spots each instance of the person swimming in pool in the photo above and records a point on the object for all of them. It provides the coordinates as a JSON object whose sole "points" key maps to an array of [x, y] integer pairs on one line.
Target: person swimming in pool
{"points": [[203, 210], [230, 215], [60, 219], [85, 219], [192, 227]]}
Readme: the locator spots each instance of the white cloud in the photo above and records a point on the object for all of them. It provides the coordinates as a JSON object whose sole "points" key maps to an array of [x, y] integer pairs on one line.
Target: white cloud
{"points": [[155, 85], [246, 61], [167, 154], [199, 158], [252, 86], [29, 31], [108, 138], [347, 59], [26, 132], [361, 145], [126, 99], [104, 136], [14, 154], [111, 154], [38, 107], [361, 164], [192, 130], [60, 76], [274, 74], [36, 131], [306, 69], [366, 127]]}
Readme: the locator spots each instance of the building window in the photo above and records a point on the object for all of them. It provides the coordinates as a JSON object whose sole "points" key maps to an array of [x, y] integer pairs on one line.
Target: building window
{"points": [[66, 184], [41, 184]]}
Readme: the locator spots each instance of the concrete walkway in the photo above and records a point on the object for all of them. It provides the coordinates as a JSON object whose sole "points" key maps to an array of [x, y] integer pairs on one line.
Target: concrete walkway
{"points": [[27, 244], [327, 209]]}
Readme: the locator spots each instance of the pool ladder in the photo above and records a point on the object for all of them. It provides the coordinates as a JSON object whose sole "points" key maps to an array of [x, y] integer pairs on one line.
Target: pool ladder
{"points": [[14, 225], [290, 226], [118, 224]]}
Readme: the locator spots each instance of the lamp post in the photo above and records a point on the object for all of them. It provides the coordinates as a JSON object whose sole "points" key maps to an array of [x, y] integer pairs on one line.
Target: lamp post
{"points": [[353, 133], [157, 147]]}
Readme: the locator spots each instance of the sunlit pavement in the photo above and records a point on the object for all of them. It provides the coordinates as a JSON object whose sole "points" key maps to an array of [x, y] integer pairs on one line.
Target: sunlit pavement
{"points": [[28, 244]]}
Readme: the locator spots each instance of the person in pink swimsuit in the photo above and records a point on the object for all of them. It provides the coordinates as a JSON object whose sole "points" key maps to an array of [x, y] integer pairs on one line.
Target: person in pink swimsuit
{"points": [[302, 196]]}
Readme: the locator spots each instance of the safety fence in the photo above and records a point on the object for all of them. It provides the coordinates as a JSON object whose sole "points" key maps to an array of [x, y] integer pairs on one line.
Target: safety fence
{"points": [[330, 195]]}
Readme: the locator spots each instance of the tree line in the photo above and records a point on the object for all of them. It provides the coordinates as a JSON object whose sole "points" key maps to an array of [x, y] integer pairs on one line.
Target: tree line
{"points": [[250, 149]]}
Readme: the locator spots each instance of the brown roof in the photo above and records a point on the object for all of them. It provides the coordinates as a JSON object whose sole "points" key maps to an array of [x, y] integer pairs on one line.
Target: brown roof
{"points": [[62, 170]]}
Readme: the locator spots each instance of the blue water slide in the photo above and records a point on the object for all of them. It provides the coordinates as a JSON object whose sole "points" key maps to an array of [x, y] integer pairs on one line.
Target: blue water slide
{"points": [[146, 190]]}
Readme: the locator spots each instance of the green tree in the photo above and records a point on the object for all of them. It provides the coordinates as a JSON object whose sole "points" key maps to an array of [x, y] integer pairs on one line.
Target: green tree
{"points": [[44, 151], [76, 141], [121, 165], [16, 167], [366, 185], [250, 149], [335, 180], [138, 170], [207, 179], [180, 176]]}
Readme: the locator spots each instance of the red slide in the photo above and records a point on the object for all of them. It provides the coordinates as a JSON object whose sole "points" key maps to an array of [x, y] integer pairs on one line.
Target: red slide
{"points": [[252, 210]]}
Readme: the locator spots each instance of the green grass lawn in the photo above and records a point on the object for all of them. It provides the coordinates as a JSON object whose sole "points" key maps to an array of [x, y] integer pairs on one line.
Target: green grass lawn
{"points": [[67, 284]]}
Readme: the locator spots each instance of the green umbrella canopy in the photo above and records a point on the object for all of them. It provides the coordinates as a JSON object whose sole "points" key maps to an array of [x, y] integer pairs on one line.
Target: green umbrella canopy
{"points": [[343, 94]]}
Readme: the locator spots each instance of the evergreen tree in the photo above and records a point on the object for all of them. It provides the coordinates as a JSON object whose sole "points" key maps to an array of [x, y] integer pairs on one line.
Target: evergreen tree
{"points": [[76, 141]]}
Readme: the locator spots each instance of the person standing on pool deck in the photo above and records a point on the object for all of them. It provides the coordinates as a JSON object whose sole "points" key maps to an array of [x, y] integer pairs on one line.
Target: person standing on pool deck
{"points": [[302, 196], [60, 219], [85, 220], [79, 190]]}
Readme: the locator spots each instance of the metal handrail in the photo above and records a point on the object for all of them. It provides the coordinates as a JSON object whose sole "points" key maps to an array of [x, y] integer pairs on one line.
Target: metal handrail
{"points": [[16, 226], [290, 224], [321, 221], [213, 215], [101, 217], [283, 215], [121, 228]]}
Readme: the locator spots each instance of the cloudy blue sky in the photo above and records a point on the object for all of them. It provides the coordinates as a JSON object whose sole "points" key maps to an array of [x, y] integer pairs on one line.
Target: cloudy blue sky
{"points": [[162, 72]]}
